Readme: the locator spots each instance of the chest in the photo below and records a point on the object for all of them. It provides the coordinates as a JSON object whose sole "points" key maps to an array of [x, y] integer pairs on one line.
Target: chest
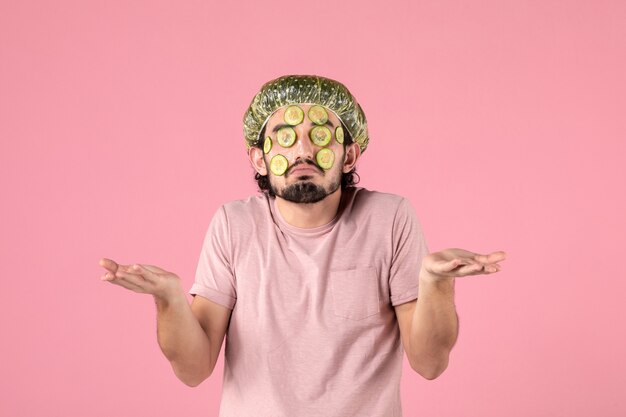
{"points": [[335, 281]]}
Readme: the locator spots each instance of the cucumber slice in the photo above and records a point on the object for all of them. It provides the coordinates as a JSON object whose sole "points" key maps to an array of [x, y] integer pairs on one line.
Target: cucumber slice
{"points": [[286, 136], [279, 164], [320, 135], [339, 134], [267, 145], [318, 115], [325, 158], [294, 115]]}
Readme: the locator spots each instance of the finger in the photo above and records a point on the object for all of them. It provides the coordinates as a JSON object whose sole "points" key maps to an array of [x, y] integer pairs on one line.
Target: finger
{"points": [[132, 269], [120, 279], [122, 282], [113, 267], [477, 269], [150, 273], [108, 277], [492, 268], [455, 267], [491, 258], [143, 271], [444, 267], [135, 279], [127, 268], [471, 269], [455, 263], [108, 264], [152, 268]]}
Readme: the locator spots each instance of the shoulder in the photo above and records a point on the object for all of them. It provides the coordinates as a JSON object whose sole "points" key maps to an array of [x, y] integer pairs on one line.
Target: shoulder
{"points": [[384, 208], [253, 205], [243, 214], [235, 219], [364, 199]]}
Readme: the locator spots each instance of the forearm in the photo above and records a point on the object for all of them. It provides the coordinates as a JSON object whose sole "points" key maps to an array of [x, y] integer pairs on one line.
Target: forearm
{"points": [[434, 328], [182, 340]]}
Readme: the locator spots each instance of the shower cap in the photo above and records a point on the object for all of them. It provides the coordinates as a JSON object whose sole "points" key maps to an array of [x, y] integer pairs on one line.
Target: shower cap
{"points": [[305, 89]]}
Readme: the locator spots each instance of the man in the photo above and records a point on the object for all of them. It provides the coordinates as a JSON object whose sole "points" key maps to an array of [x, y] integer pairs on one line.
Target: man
{"points": [[314, 282]]}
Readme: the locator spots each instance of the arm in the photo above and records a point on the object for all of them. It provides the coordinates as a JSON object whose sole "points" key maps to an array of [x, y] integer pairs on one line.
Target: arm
{"points": [[429, 326], [190, 337]]}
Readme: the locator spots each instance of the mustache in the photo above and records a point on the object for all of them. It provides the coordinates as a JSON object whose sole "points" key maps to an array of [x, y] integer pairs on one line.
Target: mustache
{"points": [[308, 162]]}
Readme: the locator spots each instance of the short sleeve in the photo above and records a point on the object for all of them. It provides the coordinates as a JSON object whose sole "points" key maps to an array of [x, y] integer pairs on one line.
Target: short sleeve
{"points": [[214, 275], [409, 248]]}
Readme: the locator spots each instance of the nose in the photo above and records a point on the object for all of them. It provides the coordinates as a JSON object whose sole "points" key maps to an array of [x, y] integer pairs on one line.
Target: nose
{"points": [[305, 149]]}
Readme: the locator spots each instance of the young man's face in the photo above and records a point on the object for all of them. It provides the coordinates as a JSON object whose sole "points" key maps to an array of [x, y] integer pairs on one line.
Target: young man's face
{"points": [[304, 160]]}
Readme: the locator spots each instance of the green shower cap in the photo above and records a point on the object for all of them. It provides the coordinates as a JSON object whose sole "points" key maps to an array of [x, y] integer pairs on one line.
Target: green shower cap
{"points": [[305, 89]]}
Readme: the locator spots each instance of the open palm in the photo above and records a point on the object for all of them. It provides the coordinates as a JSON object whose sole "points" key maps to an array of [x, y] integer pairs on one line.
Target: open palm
{"points": [[455, 262]]}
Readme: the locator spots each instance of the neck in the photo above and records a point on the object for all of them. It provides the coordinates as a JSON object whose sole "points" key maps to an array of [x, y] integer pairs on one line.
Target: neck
{"points": [[307, 216]]}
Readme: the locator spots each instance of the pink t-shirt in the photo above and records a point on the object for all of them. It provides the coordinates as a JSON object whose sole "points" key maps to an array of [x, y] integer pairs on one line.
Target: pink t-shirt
{"points": [[313, 330]]}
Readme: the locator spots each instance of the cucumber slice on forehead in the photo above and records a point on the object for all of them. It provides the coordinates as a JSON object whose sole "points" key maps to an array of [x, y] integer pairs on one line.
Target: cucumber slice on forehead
{"points": [[279, 164], [325, 158], [267, 145], [318, 115], [286, 136], [294, 115], [339, 134], [320, 135]]}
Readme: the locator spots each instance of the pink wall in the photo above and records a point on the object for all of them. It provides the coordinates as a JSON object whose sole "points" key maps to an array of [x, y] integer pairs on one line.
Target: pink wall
{"points": [[503, 122]]}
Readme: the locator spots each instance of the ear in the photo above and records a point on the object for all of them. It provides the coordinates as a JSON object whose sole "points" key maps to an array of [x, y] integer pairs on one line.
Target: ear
{"points": [[353, 152], [256, 159]]}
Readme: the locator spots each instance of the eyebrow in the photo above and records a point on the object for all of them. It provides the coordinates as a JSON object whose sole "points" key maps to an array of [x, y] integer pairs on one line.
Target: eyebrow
{"points": [[278, 127]]}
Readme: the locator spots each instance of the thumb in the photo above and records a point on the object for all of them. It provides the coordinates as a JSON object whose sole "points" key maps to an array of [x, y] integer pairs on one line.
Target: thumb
{"points": [[442, 267], [449, 266]]}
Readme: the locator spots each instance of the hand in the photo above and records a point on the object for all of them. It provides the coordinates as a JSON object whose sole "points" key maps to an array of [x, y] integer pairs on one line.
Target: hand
{"points": [[146, 279], [453, 263]]}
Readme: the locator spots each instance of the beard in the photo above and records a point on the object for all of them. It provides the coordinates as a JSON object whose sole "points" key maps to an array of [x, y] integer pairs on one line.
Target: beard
{"points": [[306, 192]]}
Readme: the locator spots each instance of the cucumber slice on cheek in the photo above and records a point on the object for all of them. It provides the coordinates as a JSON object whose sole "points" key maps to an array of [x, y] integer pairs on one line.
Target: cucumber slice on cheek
{"points": [[279, 164], [325, 158], [294, 115]]}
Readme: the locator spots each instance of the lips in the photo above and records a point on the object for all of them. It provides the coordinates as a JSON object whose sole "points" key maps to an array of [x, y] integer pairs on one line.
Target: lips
{"points": [[304, 169]]}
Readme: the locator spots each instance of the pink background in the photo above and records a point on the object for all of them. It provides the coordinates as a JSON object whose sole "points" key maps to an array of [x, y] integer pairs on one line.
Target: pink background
{"points": [[502, 121]]}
